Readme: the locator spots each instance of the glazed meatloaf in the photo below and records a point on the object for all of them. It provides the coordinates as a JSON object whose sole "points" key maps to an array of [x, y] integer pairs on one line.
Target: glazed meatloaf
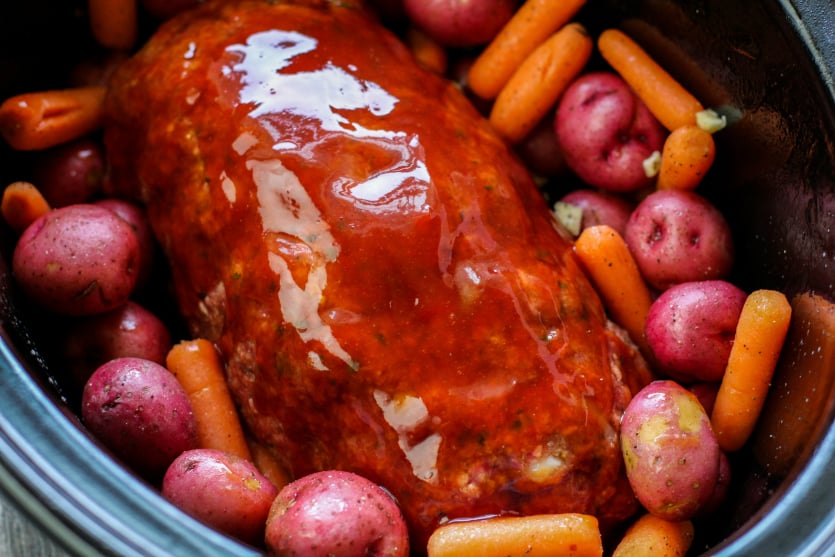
{"points": [[389, 291]]}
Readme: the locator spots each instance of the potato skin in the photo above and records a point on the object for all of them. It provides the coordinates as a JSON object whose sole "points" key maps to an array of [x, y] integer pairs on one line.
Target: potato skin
{"points": [[335, 514], [600, 207], [221, 489], [139, 411], [70, 173], [670, 451], [679, 236], [605, 132], [77, 260], [690, 329], [130, 330], [460, 22]]}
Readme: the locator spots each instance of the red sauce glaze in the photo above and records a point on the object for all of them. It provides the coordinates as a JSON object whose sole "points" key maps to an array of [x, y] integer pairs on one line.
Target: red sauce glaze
{"points": [[387, 286]]}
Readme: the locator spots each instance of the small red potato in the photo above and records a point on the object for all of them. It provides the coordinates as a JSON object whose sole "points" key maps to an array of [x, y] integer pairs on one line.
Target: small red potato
{"points": [[335, 514], [77, 260], [599, 207], [679, 236], [127, 331], [670, 451], [606, 132], [138, 410], [223, 490], [690, 329], [70, 173], [540, 152], [460, 22], [706, 393]]}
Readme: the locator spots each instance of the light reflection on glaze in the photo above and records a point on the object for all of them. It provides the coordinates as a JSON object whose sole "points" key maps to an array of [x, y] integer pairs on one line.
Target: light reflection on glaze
{"points": [[404, 414], [323, 100]]}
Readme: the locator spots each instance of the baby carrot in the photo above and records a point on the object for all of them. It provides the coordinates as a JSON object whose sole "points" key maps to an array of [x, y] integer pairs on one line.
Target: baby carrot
{"points": [[536, 85], [665, 97], [614, 273], [428, 53], [530, 26], [22, 204], [552, 535], [758, 341], [651, 536], [688, 154], [34, 121], [197, 366], [114, 23], [268, 465]]}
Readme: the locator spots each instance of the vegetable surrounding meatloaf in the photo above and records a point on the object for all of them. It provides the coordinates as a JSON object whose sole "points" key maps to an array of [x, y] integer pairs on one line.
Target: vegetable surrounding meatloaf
{"points": [[388, 288]]}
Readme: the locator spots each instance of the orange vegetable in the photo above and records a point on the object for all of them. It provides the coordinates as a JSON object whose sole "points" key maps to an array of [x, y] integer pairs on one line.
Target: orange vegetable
{"points": [[535, 86], [758, 341], [552, 535], [22, 204], [530, 26], [665, 97], [196, 365], [651, 536], [688, 154], [34, 121], [268, 465], [428, 53], [114, 23], [616, 277]]}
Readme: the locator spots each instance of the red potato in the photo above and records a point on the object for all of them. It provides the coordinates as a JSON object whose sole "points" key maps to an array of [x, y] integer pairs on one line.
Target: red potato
{"points": [[77, 260], [706, 393], [679, 236], [605, 132], [460, 22], [135, 216], [223, 490], [600, 207], [670, 451], [541, 152], [70, 173], [335, 514], [127, 331], [690, 329], [138, 410], [720, 491]]}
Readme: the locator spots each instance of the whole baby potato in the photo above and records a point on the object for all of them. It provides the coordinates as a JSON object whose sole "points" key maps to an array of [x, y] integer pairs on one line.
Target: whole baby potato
{"points": [[605, 132], [335, 514], [460, 22], [135, 216], [130, 330], [670, 451], [690, 328], [77, 260], [138, 410], [223, 490], [679, 236], [70, 173], [600, 207]]}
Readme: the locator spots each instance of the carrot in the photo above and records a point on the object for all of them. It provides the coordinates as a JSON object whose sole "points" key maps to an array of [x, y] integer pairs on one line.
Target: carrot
{"points": [[266, 463], [536, 85], [614, 273], [665, 97], [651, 536], [34, 121], [428, 53], [688, 154], [530, 26], [114, 23], [757, 344], [197, 366], [547, 535], [22, 204]]}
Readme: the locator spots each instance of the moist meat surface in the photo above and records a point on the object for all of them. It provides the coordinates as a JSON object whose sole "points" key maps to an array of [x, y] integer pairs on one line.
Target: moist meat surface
{"points": [[389, 290]]}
